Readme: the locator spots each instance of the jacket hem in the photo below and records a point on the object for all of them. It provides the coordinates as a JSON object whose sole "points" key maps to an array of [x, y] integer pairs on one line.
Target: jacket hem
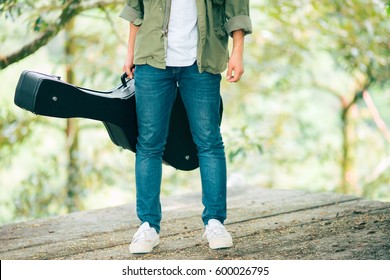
{"points": [[150, 61]]}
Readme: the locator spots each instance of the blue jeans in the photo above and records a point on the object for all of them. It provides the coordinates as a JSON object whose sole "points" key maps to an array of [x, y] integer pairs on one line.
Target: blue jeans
{"points": [[155, 95]]}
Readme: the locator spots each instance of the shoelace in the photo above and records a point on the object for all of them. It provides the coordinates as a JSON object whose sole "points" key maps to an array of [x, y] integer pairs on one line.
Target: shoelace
{"points": [[215, 231], [142, 235]]}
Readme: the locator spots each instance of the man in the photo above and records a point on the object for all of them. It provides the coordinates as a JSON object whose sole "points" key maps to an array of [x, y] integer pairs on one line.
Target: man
{"points": [[182, 43]]}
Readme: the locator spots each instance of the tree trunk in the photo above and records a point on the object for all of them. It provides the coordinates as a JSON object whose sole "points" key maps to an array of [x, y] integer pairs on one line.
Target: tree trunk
{"points": [[345, 160], [348, 183], [72, 187]]}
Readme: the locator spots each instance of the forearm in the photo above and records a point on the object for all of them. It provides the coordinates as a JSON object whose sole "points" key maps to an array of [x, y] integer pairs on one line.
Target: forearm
{"points": [[129, 62], [236, 65], [131, 40], [238, 42]]}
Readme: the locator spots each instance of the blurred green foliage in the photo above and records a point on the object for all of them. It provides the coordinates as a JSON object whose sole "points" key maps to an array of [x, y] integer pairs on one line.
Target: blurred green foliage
{"points": [[296, 120]]}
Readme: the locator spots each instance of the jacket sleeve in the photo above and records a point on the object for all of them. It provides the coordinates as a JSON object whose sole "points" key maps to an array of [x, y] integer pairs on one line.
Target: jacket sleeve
{"points": [[133, 11], [237, 16]]}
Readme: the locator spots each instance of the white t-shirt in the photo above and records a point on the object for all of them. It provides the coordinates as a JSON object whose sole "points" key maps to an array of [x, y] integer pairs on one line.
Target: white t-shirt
{"points": [[182, 33]]}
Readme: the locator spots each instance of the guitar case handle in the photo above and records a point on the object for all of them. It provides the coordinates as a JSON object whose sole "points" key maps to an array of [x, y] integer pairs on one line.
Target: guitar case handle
{"points": [[124, 77], [123, 80]]}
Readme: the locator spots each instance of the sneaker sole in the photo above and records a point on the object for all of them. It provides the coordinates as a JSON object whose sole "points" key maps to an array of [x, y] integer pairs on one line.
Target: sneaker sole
{"points": [[220, 244]]}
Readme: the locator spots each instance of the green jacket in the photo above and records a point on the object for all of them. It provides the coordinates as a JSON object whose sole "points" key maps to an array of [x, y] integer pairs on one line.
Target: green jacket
{"points": [[216, 20]]}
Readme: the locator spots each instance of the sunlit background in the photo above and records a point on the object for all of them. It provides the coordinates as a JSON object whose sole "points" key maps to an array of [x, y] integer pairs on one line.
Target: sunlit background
{"points": [[311, 112]]}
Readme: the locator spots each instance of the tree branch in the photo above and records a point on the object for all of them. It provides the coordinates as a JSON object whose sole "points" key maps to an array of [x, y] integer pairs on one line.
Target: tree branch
{"points": [[111, 22], [380, 123], [28, 49], [70, 10], [379, 173]]}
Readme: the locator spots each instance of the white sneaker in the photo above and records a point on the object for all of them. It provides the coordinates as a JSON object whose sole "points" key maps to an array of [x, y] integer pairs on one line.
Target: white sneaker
{"points": [[144, 240], [217, 235]]}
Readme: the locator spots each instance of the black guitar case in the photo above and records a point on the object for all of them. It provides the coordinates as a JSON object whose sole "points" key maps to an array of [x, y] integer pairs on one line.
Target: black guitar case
{"points": [[47, 95]]}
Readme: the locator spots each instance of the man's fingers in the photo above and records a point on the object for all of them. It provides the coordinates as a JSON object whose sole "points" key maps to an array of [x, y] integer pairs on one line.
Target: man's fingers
{"points": [[231, 78], [128, 70], [229, 73], [234, 76], [130, 74]]}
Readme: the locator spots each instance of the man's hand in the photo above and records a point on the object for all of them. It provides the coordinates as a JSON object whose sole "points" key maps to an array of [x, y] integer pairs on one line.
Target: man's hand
{"points": [[235, 68], [235, 64], [128, 66]]}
